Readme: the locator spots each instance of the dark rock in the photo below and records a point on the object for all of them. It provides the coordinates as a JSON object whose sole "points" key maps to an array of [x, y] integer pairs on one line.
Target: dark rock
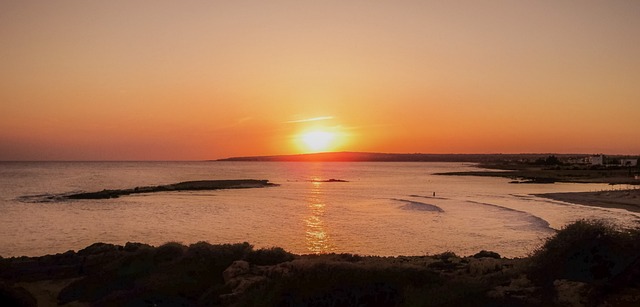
{"points": [[182, 186], [15, 296], [329, 180], [237, 268]]}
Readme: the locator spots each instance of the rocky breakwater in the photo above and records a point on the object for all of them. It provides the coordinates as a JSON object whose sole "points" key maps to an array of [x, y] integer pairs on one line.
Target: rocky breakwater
{"points": [[198, 185]]}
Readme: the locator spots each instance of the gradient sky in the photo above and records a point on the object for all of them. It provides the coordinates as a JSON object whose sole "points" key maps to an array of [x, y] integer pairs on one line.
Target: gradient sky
{"points": [[190, 80]]}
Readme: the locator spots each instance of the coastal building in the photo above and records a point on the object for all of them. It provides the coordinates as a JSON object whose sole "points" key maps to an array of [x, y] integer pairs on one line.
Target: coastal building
{"points": [[578, 160], [596, 160], [629, 162]]}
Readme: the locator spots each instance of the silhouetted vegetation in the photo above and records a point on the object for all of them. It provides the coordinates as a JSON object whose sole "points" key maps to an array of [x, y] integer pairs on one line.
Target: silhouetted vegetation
{"points": [[591, 254], [169, 274], [550, 160], [587, 263], [487, 254], [268, 256], [341, 284]]}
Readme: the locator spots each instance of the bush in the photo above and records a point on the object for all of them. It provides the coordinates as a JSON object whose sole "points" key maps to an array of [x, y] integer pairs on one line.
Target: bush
{"points": [[269, 256], [585, 251], [445, 256], [169, 252], [349, 257], [169, 274], [98, 248], [487, 254], [341, 284], [133, 247]]}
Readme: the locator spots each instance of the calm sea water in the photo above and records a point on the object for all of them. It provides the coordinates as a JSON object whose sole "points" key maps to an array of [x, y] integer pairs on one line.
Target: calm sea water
{"points": [[383, 209]]}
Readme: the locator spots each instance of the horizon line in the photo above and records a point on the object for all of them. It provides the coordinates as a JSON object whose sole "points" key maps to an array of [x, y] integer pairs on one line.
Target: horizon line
{"points": [[326, 152]]}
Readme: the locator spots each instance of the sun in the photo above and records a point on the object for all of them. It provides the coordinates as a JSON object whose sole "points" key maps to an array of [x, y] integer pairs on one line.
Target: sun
{"points": [[318, 140]]}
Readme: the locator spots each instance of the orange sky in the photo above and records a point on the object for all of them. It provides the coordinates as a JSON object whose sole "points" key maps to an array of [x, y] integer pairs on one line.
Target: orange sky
{"points": [[190, 80]]}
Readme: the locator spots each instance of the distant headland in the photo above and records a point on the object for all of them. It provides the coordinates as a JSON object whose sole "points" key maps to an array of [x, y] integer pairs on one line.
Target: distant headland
{"points": [[522, 168], [346, 156], [351, 156]]}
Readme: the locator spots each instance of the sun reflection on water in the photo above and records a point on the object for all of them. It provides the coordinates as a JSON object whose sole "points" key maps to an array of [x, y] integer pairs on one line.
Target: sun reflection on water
{"points": [[318, 240]]}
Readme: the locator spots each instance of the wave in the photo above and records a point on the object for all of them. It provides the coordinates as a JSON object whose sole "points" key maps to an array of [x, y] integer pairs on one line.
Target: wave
{"points": [[415, 205], [533, 219], [429, 197]]}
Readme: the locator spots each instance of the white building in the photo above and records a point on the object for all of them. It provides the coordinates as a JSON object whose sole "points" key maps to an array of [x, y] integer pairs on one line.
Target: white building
{"points": [[596, 160]]}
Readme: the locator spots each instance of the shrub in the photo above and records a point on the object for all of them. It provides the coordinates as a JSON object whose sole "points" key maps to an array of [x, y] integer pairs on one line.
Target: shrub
{"points": [[350, 257], [216, 257], [98, 248], [269, 256], [169, 274], [133, 246], [445, 256], [487, 254], [169, 252], [586, 251], [341, 284]]}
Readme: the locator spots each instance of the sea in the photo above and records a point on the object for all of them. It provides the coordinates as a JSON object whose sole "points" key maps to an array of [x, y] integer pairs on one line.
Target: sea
{"points": [[377, 208]]}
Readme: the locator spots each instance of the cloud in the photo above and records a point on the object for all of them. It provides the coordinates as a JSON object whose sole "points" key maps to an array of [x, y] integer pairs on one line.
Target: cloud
{"points": [[243, 120], [309, 119]]}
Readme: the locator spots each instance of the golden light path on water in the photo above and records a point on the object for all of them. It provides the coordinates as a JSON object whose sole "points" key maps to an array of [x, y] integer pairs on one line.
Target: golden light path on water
{"points": [[318, 239]]}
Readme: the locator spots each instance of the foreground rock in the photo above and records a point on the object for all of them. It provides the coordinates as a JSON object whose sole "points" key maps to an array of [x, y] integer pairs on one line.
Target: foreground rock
{"points": [[182, 186]]}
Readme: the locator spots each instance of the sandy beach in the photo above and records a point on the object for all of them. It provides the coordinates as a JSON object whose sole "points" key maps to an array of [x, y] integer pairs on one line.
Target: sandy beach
{"points": [[621, 199]]}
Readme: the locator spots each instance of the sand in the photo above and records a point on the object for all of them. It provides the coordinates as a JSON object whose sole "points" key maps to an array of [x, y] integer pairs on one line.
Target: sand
{"points": [[621, 199]]}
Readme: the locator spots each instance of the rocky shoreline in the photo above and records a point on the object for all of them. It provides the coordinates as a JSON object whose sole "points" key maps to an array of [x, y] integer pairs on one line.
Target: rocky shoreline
{"points": [[551, 170], [181, 186], [586, 263], [627, 199], [527, 174]]}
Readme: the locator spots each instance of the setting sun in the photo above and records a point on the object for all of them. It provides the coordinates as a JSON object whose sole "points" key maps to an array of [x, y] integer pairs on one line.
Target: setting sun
{"points": [[318, 140]]}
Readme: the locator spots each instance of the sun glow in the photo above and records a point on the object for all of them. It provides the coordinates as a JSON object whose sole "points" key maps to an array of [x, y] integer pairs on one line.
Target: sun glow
{"points": [[316, 141]]}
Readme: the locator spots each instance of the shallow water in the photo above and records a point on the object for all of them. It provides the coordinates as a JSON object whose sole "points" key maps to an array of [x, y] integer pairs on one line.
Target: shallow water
{"points": [[383, 209]]}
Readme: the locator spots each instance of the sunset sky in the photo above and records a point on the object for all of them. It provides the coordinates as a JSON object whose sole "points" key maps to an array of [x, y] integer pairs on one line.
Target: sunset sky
{"points": [[192, 80]]}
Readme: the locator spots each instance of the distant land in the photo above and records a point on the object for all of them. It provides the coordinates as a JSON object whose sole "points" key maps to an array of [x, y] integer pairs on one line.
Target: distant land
{"points": [[401, 157], [521, 168]]}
